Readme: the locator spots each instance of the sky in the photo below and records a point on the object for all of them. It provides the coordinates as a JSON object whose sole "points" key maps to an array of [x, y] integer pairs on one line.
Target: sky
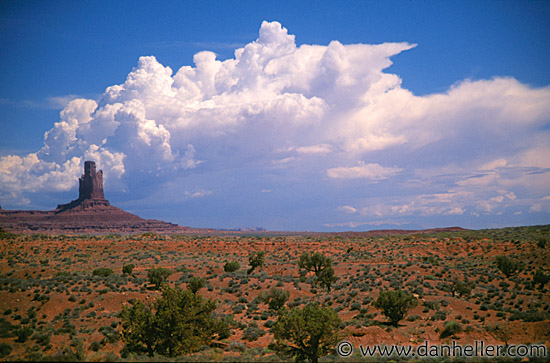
{"points": [[296, 116]]}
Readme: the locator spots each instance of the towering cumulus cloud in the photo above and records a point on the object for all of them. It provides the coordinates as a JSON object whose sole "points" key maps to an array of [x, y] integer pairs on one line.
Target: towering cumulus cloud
{"points": [[328, 110]]}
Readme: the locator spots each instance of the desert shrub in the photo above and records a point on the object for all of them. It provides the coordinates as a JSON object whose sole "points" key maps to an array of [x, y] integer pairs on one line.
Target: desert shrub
{"points": [[439, 315], [252, 332], [307, 333], [5, 349], [451, 328], [529, 316], [277, 298], [95, 346], [23, 334], [231, 266], [461, 288], [540, 278], [6, 328], [110, 334], [102, 271], [395, 304], [507, 265], [433, 305], [541, 243], [177, 323], [127, 269], [255, 259], [158, 275], [196, 283], [42, 339]]}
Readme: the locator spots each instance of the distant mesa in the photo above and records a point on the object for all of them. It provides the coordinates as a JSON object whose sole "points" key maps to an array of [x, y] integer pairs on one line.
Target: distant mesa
{"points": [[91, 213]]}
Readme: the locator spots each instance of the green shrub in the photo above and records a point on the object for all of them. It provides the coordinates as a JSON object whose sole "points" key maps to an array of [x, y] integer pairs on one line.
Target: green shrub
{"points": [[127, 269], [451, 328], [158, 275], [231, 266], [177, 323], [196, 283], [277, 298], [507, 266], [307, 333], [102, 271], [255, 259], [252, 333], [5, 350], [95, 346], [395, 304]]}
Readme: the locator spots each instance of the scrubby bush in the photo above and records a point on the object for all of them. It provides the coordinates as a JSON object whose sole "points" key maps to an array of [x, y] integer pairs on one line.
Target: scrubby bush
{"points": [[507, 265], [252, 332], [196, 283], [451, 328], [541, 278], [5, 349], [395, 304], [255, 259], [158, 275], [102, 271], [177, 323], [231, 266], [127, 269], [277, 298], [307, 333]]}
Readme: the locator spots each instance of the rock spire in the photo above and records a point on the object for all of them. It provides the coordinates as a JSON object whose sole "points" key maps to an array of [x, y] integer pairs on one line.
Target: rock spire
{"points": [[90, 190]]}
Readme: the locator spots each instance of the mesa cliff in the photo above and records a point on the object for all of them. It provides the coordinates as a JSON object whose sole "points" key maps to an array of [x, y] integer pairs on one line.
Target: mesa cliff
{"points": [[90, 213]]}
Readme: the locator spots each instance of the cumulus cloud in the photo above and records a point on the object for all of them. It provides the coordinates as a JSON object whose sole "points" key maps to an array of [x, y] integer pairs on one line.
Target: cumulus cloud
{"points": [[320, 110]]}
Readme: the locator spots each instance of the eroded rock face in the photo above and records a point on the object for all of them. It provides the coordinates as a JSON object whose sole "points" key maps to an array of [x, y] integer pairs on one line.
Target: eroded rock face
{"points": [[90, 213], [91, 183], [90, 190]]}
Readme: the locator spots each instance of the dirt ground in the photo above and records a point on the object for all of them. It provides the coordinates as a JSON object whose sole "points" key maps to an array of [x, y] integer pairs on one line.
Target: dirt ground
{"points": [[52, 304]]}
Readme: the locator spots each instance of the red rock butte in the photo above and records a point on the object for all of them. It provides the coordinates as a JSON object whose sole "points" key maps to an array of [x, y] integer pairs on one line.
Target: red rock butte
{"points": [[91, 213]]}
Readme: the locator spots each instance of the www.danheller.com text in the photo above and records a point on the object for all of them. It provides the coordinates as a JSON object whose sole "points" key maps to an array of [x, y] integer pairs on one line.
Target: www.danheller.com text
{"points": [[478, 349]]}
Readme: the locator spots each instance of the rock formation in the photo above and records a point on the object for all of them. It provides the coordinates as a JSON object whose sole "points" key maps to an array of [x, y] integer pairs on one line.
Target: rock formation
{"points": [[91, 213], [90, 190]]}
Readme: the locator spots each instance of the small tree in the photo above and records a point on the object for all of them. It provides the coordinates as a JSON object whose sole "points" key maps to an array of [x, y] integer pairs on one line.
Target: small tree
{"points": [[326, 278], [508, 266], [127, 269], [320, 265], [315, 262], [277, 298], [307, 333], [231, 266], [255, 259], [177, 323], [158, 275], [395, 304], [196, 283]]}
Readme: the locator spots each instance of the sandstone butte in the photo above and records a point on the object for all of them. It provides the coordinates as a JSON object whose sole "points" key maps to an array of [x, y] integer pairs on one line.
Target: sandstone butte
{"points": [[91, 213]]}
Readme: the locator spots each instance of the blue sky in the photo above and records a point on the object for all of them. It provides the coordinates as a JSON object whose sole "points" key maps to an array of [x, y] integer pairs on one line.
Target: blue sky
{"points": [[322, 116]]}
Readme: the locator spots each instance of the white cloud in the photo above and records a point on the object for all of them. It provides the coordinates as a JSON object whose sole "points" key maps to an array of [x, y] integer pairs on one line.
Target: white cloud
{"points": [[363, 171], [347, 209], [308, 110], [198, 194]]}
